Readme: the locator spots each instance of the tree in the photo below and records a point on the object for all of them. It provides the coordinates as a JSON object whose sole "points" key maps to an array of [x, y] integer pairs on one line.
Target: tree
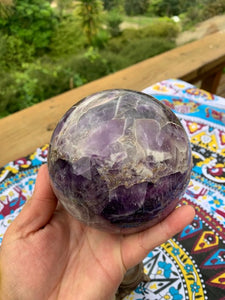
{"points": [[62, 5], [165, 7], [111, 4], [90, 17], [14, 52], [32, 21], [213, 8], [136, 7], [6, 8], [171, 7], [68, 39], [114, 19], [184, 5]]}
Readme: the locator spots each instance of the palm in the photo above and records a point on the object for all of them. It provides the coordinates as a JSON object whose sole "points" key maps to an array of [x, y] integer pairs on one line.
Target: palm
{"points": [[63, 258], [47, 254]]}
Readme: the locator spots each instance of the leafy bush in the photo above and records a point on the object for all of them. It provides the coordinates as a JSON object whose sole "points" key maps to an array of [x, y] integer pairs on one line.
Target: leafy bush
{"points": [[115, 61], [190, 18], [114, 20], [35, 82], [111, 4], [164, 28], [204, 10], [139, 50], [171, 7], [42, 56], [117, 43], [14, 52], [6, 8], [136, 7], [43, 79], [89, 68], [100, 40], [32, 21], [18, 89], [213, 8], [89, 14], [68, 38], [7, 93]]}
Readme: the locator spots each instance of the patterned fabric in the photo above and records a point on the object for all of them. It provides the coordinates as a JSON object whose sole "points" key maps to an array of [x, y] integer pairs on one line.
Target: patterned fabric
{"points": [[191, 265]]}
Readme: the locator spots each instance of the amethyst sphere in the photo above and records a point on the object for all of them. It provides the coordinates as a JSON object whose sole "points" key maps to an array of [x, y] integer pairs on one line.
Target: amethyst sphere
{"points": [[119, 160]]}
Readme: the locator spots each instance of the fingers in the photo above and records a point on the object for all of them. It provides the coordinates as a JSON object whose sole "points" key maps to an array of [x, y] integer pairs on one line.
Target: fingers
{"points": [[136, 247], [38, 211]]}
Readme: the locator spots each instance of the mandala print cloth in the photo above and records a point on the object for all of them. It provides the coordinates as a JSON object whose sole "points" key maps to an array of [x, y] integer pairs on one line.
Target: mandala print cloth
{"points": [[191, 265]]}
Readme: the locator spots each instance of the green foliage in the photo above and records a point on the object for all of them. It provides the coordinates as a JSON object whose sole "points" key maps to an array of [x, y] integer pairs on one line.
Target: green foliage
{"points": [[111, 4], [34, 83], [170, 7], [161, 28], [88, 68], [164, 7], [213, 8], [139, 50], [32, 21], [100, 40], [46, 51], [6, 8], [114, 19], [21, 88], [62, 6], [115, 61], [165, 28], [68, 38], [139, 21], [90, 17], [184, 5], [13, 52], [7, 93], [47, 77], [136, 7], [203, 10], [190, 18]]}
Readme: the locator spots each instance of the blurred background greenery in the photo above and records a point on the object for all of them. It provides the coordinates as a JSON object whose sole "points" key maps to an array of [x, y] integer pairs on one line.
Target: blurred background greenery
{"points": [[49, 47]]}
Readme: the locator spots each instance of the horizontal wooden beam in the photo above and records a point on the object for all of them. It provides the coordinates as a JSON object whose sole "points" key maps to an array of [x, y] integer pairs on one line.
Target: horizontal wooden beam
{"points": [[22, 132]]}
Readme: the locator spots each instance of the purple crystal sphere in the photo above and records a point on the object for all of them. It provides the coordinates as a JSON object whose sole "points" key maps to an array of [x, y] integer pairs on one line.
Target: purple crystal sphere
{"points": [[119, 160]]}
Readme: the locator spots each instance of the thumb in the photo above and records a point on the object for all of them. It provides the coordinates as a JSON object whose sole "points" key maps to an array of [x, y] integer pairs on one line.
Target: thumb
{"points": [[147, 240], [38, 211]]}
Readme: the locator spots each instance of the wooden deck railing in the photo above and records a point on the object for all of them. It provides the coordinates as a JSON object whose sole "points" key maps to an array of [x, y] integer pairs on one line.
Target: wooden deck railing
{"points": [[21, 133]]}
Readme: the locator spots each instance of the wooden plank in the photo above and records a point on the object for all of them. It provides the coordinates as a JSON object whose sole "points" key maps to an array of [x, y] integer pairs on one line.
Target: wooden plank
{"points": [[24, 131]]}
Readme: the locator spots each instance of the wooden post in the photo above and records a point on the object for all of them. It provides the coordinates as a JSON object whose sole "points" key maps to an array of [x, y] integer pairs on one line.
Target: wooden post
{"points": [[211, 82]]}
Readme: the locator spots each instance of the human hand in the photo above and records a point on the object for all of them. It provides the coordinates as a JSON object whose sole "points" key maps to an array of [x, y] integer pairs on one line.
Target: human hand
{"points": [[49, 255]]}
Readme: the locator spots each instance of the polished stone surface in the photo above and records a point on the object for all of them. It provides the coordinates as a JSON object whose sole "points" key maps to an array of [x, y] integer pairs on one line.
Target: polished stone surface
{"points": [[119, 160]]}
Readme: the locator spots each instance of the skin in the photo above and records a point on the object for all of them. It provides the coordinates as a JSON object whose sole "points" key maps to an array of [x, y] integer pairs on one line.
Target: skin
{"points": [[47, 254]]}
